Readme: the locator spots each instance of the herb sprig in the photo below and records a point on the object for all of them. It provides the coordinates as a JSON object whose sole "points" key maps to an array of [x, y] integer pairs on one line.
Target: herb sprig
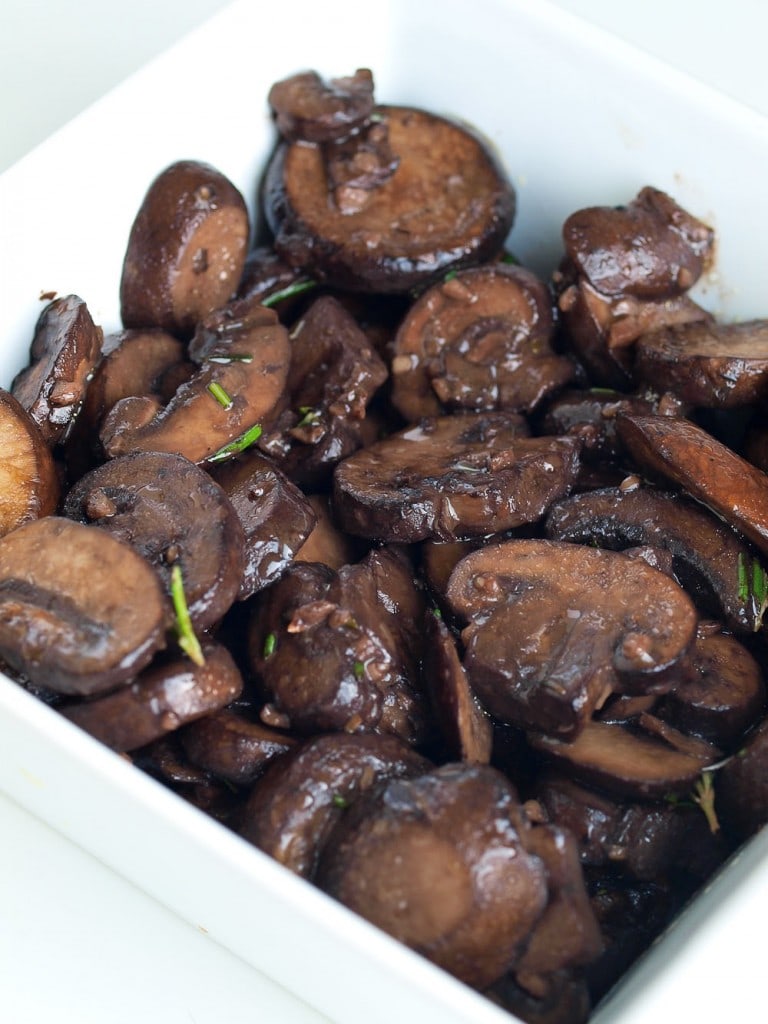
{"points": [[188, 641]]}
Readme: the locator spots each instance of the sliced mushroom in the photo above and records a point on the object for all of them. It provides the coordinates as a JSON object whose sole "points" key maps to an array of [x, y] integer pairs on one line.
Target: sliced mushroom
{"points": [[453, 477], [721, 694], [275, 516], [714, 366], [555, 627], [65, 348], [447, 204], [741, 786], [294, 807], [651, 247], [441, 862], [232, 747], [29, 482], [333, 654], [707, 554], [172, 513], [80, 612], [709, 471], [245, 355], [624, 763], [479, 340], [466, 730], [160, 700], [308, 109], [327, 543], [186, 249]]}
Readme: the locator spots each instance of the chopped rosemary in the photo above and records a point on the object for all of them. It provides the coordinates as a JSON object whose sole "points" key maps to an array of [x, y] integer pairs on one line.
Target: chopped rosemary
{"points": [[270, 643], [450, 276], [743, 579], [753, 583], [340, 801], [509, 257], [309, 416], [245, 440], [232, 357], [188, 642], [289, 292], [220, 395], [704, 795], [359, 670]]}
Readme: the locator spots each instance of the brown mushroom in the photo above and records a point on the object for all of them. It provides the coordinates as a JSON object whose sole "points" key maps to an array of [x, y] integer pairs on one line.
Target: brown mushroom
{"points": [[275, 516], [186, 249], [741, 786], [172, 513], [709, 471], [453, 477], [80, 612], [294, 807], [29, 482], [65, 348], [160, 700], [555, 627], [477, 341], [442, 863], [714, 366], [706, 553], [232, 747], [310, 110], [245, 355], [447, 204], [327, 543]]}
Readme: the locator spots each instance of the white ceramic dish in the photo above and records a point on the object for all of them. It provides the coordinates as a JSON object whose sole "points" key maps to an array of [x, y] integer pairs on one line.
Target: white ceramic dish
{"points": [[579, 119]]}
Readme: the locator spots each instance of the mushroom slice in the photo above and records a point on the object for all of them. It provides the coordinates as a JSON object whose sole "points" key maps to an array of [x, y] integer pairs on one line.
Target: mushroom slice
{"points": [[309, 110], [186, 249], [742, 785], [441, 862], [477, 341], [707, 554], [65, 348], [555, 627], [29, 483], [294, 807], [335, 651], [160, 700], [466, 729], [651, 247], [327, 543], [448, 203], [709, 471], [80, 612], [623, 763], [721, 694], [275, 516], [172, 513], [453, 477], [232, 747], [714, 366], [245, 355]]}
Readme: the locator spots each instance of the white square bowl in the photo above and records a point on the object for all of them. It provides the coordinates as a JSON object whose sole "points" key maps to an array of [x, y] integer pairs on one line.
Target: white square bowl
{"points": [[579, 119]]}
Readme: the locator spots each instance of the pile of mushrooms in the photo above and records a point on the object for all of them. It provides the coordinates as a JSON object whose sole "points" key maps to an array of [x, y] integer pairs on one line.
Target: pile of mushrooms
{"points": [[439, 583]]}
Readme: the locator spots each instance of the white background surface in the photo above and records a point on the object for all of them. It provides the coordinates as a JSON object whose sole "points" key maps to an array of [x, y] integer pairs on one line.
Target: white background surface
{"points": [[78, 945]]}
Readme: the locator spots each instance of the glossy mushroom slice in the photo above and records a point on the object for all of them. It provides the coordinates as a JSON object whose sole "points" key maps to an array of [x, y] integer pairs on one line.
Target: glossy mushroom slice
{"points": [[160, 700], [479, 340], [678, 450], [275, 516], [334, 651], [651, 248], [29, 482], [186, 249], [245, 354], [327, 543], [232, 747], [173, 514], [466, 730], [451, 478], [709, 558], [441, 862], [293, 808], [742, 785], [554, 628], [334, 373], [624, 763], [447, 204], [80, 612], [721, 693], [714, 366], [310, 110], [65, 348]]}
